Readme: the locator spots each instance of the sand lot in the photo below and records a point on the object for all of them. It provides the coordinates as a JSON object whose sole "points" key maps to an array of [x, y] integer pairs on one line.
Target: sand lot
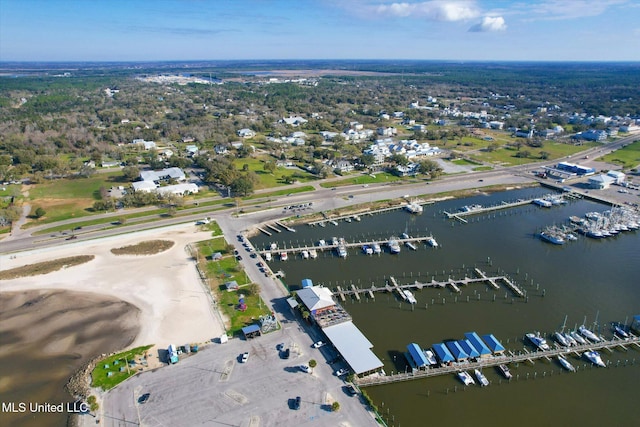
{"points": [[174, 308]]}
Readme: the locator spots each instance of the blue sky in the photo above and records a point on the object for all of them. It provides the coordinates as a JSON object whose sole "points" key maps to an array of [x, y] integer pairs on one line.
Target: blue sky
{"points": [[147, 30]]}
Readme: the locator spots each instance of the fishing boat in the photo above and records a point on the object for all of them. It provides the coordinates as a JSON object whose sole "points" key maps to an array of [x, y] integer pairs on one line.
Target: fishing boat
{"points": [[594, 357], [432, 242], [538, 341], [465, 378], [394, 247], [555, 238], [376, 248], [560, 338], [408, 296], [267, 256], [305, 254], [588, 334], [481, 378], [313, 254], [566, 364], [283, 256], [576, 336], [504, 370]]}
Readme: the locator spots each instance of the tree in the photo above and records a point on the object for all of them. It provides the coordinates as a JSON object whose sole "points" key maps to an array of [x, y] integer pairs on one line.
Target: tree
{"points": [[39, 212], [313, 363], [269, 166], [429, 167], [399, 159], [243, 185], [544, 155], [335, 406], [131, 173]]}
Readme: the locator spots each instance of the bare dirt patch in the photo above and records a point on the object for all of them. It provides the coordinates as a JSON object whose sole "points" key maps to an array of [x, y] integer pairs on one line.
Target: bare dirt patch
{"points": [[44, 267], [149, 247]]}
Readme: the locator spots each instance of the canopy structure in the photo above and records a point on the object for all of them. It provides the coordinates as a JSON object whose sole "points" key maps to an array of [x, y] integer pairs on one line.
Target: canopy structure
{"points": [[469, 349], [478, 344], [417, 355], [443, 353], [493, 343], [457, 351]]}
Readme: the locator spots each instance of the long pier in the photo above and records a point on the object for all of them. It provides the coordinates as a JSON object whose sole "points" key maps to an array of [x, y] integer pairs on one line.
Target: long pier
{"points": [[345, 244], [493, 361], [364, 212], [504, 205], [454, 284]]}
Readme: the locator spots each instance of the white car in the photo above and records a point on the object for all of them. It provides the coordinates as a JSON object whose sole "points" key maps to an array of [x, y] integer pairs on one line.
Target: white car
{"points": [[305, 368], [245, 357], [318, 344], [341, 372]]}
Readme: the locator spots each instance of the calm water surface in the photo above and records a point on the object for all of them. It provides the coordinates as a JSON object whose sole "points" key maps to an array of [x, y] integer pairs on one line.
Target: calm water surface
{"points": [[596, 280]]}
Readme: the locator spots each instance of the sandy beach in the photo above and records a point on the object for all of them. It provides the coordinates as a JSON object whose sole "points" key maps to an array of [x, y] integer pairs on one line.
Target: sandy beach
{"points": [[174, 307]]}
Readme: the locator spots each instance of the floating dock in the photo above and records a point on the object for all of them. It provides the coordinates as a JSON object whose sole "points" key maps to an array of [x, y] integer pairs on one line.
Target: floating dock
{"points": [[493, 361], [345, 244], [504, 205]]}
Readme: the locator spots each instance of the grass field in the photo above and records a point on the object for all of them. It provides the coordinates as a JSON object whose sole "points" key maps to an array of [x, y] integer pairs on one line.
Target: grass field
{"points": [[112, 370], [268, 180], [507, 155], [627, 157], [378, 177]]}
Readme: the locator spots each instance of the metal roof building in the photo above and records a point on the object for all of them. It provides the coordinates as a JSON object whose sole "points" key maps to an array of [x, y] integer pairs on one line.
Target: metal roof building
{"points": [[457, 351], [478, 344], [443, 353], [307, 283], [316, 298], [417, 355], [469, 349], [354, 347], [493, 343]]}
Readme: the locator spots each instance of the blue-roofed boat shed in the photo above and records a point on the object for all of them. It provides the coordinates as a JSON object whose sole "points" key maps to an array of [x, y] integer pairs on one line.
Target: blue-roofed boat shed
{"points": [[478, 344], [443, 353], [416, 354], [307, 283], [457, 351], [469, 349], [493, 344]]}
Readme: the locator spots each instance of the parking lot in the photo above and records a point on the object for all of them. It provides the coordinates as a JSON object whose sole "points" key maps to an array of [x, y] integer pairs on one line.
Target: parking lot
{"points": [[214, 387]]}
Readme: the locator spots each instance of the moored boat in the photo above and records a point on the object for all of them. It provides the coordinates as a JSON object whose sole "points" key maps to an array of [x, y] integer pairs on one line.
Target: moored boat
{"points": [[414, 207], [594, 357], [588, 334], [267, 256], [367, 249], [411, 246], [408, 296], [538, 341], [576, 336], [305, 254], [619, 330], [432, 242], [481, 378], [313, 254], [570, 339], [394, 247], [376, 248], [566, 364], [560, 338], [504, 370], [550, 237], [465, 377], [283, 256]]}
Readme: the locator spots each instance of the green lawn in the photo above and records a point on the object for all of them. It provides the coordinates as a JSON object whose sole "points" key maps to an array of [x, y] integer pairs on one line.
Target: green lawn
{"points": [[628, 157], [378, 177], [228, 303], [112, 370], [268, 180], [507, 155], [75, 188]]}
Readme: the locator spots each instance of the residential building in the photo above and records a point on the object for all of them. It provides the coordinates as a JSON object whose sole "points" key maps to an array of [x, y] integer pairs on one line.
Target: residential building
{"points": [[246, 133]]}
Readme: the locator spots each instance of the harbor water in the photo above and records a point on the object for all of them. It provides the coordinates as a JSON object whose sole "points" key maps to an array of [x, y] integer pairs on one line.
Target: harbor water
{"points": [[589, 281]]}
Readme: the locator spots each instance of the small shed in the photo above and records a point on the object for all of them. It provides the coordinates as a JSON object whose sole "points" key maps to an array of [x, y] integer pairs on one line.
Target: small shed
{"points": [[232, 285], [307, 283], [216, 256], [251, 331]]}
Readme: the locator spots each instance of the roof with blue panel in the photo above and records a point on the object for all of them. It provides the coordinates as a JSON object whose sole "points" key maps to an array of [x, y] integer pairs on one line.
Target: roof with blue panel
{"points": [[477, 343], [493, 343], [417, 355], [307, 283], [469, 349], [456, 350], [443, 353]]}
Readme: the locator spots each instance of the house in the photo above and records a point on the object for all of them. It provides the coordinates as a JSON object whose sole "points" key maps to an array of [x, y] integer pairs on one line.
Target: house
{"points": [[246, 133], [293, 121], [178, 189], [343, 166], [163, 175], [419, 128], [327, 135], [237, 144], [494, 124], [592, 135], [220, 150], [192, 150], [148, 145], [523, 133], [387, 131], [618, 177], [216, 256]]}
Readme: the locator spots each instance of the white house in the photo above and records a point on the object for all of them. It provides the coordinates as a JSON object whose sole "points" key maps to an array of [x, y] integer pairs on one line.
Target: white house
{"points": [[387, 131], [148, 145], [246, 133], [293, 121], [617, 176], [163, 175], [601, 182]]}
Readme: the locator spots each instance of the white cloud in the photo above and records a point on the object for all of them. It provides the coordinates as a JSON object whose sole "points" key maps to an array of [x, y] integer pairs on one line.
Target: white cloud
{"points": [[567, 9], [488, 24], [437, 10]]}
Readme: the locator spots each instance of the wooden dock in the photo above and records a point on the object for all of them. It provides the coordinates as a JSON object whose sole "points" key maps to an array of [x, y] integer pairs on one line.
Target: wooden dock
{"points": [[280, 224], [264, 231], [504, 205], [454, 284], [276, 229], [490, 362], [422, 239]]}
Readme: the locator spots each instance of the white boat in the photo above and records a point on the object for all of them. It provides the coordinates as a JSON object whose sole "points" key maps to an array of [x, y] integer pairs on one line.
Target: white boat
{"points": [[394, 247], [334, 241], [322, 224], [376, 248], [550, 237], [561, 339], [267, 256], [347, 219], [588, 334], [431, 357], [566, 364], [273, 246], [333, 222], [470, 208], [404, 236], [571, 236], [283, 256], [481, 378], [594, 357], [504, 370], [313, 254], [322, 243], [408, 296], [342, 251], [465, 378], [411, 246], [305, 254], [576, 336], [542, 203], [538, 341], [366, 249], [619, 330], [570, 339], [432, 242], [357, 218], [414, 207]]}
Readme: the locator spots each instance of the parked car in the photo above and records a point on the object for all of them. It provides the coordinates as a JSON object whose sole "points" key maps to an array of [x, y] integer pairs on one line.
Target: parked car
{"points": [[350, 389], [318, 344], [341, 372], [296, 403], [286, 353], [245, 357], [305, 369], [142, 399]]}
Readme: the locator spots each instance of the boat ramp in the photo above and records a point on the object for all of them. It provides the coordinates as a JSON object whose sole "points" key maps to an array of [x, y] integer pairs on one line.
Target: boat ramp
{"points": [[529, 357], [455, 284]]}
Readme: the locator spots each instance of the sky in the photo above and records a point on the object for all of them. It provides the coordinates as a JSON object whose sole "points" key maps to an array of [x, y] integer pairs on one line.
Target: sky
{"points": [[183, 30]]}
